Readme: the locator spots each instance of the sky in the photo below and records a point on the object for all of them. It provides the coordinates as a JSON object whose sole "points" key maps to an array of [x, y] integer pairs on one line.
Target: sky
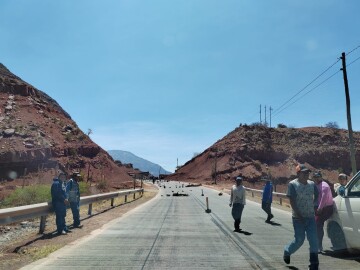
{"points": [[165, 79]]}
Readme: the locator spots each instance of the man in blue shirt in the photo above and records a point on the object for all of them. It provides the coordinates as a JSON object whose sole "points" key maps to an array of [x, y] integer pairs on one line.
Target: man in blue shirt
{"points": [[59, 201]]}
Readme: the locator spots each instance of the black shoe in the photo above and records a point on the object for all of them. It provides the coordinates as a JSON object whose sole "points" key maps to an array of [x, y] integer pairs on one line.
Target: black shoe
{"points": [[271, 217], [286, 258], [237, 230], [79, 226], [267, 221]]}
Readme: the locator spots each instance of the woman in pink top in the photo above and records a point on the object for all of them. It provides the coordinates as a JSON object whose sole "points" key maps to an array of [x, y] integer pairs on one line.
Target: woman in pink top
{"points": [[325, 206]]}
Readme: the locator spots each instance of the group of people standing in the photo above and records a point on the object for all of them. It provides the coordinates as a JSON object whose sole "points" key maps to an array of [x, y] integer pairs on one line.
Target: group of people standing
{"points": [[66, 193], [311, 202]]}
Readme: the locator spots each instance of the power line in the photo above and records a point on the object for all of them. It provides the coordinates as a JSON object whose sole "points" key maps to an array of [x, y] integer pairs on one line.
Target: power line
{"points": [[312, 89], [353, 50], [303, 89], [353, 61]]}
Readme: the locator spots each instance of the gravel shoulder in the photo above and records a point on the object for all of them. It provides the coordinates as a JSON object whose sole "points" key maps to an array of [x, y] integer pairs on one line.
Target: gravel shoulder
{"points": [[21, 244]]}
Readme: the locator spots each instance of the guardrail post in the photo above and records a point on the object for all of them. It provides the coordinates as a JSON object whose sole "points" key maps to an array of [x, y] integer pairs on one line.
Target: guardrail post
{"points": [[90, 209], [134, 195], [252, 193], [280, 201], [112, 202], [125, 198], [42, 224]]}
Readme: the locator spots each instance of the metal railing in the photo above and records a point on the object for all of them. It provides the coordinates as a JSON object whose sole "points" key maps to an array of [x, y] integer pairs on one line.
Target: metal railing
{"points": [[42, 210], [281, 196]]}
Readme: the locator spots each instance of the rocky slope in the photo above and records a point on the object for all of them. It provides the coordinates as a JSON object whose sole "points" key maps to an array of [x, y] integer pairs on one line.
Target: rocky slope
{"points": [[37, 138], [256, 151]]}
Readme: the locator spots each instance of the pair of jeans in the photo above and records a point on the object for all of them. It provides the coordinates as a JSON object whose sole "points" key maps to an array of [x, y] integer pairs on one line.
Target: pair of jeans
{"points": [[75, 212], [60, 213], [301, 226]]}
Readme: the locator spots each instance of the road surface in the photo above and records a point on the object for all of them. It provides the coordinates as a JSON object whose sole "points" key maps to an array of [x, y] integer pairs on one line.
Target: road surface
{"points": [[171, 232]]}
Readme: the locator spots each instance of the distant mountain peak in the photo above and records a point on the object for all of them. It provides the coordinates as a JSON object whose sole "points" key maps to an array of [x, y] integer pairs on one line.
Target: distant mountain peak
{"points": [[142, 164]]}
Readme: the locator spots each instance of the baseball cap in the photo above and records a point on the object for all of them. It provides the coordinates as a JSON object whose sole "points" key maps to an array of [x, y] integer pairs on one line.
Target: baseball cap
{"points": [[302, 168], [317, 174], [239, 178]]}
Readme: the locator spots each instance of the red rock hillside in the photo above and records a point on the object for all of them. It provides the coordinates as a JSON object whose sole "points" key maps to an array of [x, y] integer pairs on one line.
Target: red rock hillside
{"points": [[37, 137], [255, 151]]}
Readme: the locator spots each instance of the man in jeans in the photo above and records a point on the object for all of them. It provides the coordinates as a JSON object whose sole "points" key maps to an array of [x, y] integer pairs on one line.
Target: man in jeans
{"points": [[73, 192], [303, 195]]}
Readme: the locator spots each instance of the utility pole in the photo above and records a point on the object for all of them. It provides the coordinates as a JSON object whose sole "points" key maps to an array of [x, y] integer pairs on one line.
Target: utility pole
{"points": [[260, 113], [270, 114], [265, 116], [348, 113]]}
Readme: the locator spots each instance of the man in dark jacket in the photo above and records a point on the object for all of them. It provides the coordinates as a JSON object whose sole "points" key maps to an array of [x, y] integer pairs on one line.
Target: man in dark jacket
{"points": [[73, 192], [267, 200], [59, 202]]}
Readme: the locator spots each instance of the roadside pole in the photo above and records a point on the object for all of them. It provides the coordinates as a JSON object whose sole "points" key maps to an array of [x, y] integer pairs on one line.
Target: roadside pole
{"points": [[351, 138]]}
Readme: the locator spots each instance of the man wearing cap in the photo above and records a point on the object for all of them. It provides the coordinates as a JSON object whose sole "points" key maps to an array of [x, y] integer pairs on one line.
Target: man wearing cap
{"points": [[325, 206], [59, 201], [73, 192], [237, 201], [303, 195]]}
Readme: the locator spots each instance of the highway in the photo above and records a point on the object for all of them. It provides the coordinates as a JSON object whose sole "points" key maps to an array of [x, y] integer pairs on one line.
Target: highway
{"points": [[172, 232]]}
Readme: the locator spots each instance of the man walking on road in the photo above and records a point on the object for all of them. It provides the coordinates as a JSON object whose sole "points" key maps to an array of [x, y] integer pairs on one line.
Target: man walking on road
{"points": [[73, 191], [303, 195], [267, 200], [237, 201], [325, 208]]}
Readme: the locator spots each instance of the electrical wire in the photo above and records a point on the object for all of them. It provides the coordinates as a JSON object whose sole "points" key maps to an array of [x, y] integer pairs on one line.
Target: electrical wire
{"points": [[353, 61], [312, 89], [304, 88], [353, 50]]}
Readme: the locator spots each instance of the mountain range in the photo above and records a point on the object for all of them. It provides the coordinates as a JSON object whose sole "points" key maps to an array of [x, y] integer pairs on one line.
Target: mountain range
{"points": [[142, 164]]}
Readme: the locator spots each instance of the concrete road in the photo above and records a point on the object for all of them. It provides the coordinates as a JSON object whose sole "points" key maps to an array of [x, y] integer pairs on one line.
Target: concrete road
{"points": [[171, 232]]}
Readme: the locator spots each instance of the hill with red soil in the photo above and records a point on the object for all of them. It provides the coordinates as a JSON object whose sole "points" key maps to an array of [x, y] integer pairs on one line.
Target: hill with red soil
{"points": [[257, 151], [38, 138]]}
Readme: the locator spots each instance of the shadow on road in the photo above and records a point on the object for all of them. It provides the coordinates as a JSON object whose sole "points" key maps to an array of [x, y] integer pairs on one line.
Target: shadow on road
{"points": [[273, 223], [344, 255], [243, 232], [293, 268]]}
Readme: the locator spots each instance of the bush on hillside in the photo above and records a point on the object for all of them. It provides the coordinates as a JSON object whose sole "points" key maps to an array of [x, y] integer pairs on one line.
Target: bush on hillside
{"points": [[28, 195], [281, 126], [332, 125]]}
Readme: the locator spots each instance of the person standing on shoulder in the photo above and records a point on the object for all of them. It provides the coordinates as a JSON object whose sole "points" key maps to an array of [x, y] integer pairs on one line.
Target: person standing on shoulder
{"points": [[303, 195], [237, 201], [73, 192], [267, 200], [340, 187], [59, 202], [325, 206]]}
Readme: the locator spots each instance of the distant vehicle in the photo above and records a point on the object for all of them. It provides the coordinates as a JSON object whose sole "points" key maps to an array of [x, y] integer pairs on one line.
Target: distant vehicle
{"points": [[343, 227]]}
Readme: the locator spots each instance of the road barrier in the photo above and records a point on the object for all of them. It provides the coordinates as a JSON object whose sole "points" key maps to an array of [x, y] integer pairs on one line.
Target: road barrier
{"points": [[42, 210], [281, 196]]}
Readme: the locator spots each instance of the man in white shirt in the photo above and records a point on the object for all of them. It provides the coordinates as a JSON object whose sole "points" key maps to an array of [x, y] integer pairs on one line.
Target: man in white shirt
{"points": [[237, 201]]}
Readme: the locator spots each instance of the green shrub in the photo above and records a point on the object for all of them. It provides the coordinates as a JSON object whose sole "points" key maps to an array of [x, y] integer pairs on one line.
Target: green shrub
{"points": [[84, 189], [28, 195]]}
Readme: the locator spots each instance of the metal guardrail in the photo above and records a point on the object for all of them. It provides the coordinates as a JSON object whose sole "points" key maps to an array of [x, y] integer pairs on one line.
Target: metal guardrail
{"points": [[16, 214], [281, 196]]}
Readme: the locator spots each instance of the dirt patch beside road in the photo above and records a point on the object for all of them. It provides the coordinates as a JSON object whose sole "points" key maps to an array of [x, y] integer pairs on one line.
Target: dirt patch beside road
{"points": [[26, 245]]}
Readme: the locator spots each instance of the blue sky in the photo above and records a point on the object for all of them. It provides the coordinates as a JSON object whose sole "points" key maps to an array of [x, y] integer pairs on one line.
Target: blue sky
{"points": [[165, 79]]}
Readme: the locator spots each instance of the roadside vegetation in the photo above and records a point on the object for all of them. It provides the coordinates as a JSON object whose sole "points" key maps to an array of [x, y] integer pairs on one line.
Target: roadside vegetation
{"points": [[35, 194]]}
